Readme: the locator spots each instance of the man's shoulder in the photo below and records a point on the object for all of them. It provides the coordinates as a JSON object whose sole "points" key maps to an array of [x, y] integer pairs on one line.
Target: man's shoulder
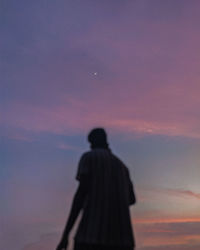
{"points": [[106, 153], [95, 152], [85, 155], [118, 159]]}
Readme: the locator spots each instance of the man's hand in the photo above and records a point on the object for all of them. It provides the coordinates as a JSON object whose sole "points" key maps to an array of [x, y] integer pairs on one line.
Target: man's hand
{"points": [[62, 245], [77, 205]]}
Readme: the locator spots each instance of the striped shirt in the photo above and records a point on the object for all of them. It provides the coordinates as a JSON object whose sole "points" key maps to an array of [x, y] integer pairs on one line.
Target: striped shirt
{"points": [[106, 216]]}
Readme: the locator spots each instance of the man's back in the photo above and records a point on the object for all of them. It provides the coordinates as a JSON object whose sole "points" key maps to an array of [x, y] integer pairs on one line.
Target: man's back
{"points": [[106, 218]]}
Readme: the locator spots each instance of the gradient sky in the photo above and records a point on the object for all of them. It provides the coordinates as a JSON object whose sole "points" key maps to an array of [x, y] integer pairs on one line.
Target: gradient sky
{"points": [[131, 66]]}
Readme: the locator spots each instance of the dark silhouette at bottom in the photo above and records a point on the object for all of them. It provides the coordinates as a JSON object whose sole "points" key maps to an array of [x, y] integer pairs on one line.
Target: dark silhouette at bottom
{"points": [[104, 195]]}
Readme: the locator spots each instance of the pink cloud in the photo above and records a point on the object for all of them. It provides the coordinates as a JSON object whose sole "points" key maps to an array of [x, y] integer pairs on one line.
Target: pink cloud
{"points": [[77, 115]]}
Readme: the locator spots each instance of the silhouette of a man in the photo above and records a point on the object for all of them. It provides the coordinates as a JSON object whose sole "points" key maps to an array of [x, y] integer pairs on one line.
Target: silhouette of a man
{"points": [[105, 193]]}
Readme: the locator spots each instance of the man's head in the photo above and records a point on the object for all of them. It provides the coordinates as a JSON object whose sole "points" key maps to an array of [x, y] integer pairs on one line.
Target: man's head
{"points": [[98, 138]]}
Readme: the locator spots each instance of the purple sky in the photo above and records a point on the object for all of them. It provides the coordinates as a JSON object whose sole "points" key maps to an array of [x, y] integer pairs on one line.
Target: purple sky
{"points": [[129, 66]]}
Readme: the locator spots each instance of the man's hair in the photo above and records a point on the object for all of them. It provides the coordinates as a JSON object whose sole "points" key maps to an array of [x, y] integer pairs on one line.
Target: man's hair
{"points": [[98, 138]]}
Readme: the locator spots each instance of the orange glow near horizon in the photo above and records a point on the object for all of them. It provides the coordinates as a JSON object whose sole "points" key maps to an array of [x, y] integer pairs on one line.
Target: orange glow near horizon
{"points": [[166, 220], [167, 232]]}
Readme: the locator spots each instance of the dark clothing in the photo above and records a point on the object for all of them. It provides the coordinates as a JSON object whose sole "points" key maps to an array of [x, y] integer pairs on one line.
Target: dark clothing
{"points": [[106, 217], [82, 246]]}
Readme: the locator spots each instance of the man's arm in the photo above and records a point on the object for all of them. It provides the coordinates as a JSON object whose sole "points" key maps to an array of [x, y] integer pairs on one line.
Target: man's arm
{"points": [[132, 194], [77, 205], [132, 197]]}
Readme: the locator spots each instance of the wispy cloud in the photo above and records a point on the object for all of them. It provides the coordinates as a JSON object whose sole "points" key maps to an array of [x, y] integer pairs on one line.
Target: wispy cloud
{"points": [[181, 193], [78, 116], [176, 192]]}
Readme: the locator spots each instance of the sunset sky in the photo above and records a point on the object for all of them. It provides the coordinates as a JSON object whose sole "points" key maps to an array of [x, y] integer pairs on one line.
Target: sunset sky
{"points": [[130, 66]]}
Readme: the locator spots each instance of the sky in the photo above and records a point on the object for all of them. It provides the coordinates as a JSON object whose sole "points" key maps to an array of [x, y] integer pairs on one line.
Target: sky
{"points": [[130, 66]]}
